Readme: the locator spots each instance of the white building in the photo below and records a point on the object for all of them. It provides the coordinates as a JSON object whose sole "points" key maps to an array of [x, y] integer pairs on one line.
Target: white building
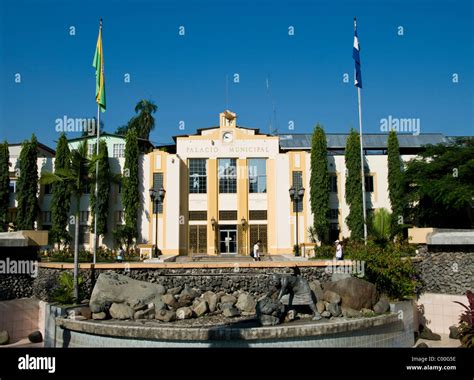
{"points": [[227, 186]]}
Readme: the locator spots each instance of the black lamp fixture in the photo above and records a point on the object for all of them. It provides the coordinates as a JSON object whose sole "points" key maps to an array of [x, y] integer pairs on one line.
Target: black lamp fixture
{"points": [[156, 198], [296, 195]]}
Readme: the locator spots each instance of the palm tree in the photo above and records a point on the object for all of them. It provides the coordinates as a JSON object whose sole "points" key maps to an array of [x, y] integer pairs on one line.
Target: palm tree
{"points": [[144, 122], [77, 176]]}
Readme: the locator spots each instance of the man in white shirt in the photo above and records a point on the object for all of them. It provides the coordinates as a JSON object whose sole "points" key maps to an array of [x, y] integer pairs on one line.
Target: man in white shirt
{"points": [[338, 250], [256, 250]]}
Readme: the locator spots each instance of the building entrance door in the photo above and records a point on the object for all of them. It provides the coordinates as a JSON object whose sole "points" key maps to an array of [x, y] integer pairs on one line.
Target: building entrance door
{"points": [[228, 239]]}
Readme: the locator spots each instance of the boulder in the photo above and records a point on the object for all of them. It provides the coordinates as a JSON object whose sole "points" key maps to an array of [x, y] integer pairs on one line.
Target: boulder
{"points": [[115, 288], [326, 314], [269, 320], [246, 303], [339, 276], [86, 312], [184, 313], [231, 312], [211, 299], [350, 313], [168, 299], [334, 309], [190, 292], [355, 293], [4, 337], [320, 306], [175, 291], [426, 333], [269, 306], [454, 332], [165, 315], [315, 286], [200, 307], [121, 311], [145, 314], [99, 316], [227, 298], [381, 306], [35, 337], [331, 297]]}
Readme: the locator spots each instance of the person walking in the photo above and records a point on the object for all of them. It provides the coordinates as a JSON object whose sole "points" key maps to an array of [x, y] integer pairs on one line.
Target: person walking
{"points": [[339, 253], [256, 250]]}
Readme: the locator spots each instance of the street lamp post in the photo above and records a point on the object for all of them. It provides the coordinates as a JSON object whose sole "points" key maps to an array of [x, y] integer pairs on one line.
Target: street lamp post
{"points": [[296, 195], [156, 198]]}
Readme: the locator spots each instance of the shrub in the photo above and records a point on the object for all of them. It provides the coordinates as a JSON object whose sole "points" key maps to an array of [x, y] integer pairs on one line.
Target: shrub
{"points": [[64, 293], [386, 268], [466, 322], [324, 252]]}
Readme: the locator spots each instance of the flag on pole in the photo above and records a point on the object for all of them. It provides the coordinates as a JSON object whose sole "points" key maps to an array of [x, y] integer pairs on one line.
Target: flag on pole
{"points": [[98, 65], [356, 56]]}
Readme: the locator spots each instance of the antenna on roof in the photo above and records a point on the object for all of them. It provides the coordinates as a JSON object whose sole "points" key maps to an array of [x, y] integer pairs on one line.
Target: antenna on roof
{"points": [[272, 125], [226, 92]]}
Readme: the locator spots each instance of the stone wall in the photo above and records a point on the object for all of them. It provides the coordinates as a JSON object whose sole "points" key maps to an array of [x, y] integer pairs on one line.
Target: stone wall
{"points": [[446, 272], [14, 286], [253, 280]]}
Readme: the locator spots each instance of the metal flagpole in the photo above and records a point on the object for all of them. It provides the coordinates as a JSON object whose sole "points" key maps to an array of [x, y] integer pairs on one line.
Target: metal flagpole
{"points": [[97, 162], [362, 171]]}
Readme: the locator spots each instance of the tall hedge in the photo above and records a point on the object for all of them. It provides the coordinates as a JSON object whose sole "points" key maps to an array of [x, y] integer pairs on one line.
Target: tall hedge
{"points": [[130, 181], [61, 195], [355, 219], [103, 182], [27, 186], [395, 184], [4, 186], [319, 184]]}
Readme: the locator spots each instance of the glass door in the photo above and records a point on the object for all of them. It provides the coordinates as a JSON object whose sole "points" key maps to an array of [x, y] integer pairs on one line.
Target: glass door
{"points": [[228, 240]]}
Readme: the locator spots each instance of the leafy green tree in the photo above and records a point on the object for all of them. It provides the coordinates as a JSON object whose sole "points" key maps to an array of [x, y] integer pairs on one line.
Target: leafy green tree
{"points": [[104, 177], [4, 186], [77, 176], [143, 122], [131, 191], [355, 219], [61, 197], [27, 185], [380, 225], [319, 184], [395, 184], [440, 185]]}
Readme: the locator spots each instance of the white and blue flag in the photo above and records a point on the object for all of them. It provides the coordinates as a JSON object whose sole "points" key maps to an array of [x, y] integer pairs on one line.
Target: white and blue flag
{"points": [[356, 56]]}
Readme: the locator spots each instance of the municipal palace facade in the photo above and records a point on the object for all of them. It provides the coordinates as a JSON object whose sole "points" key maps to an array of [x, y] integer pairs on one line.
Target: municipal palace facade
{"points": [[227, 187]]}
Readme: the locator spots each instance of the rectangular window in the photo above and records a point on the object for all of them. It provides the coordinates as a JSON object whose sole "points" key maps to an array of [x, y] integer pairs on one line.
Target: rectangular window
{"points": [[297, 184], [227, 173], [157, 185], [369, 183], [333, 213], [258, 232], [197, 215], [48, 189], [333, 182], [257, 168], [119, 150], [258, 215], [197, 176], [198, 239]]}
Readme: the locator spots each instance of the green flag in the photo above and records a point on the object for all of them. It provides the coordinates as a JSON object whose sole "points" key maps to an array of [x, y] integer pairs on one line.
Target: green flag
{"points": [[98, 65]]}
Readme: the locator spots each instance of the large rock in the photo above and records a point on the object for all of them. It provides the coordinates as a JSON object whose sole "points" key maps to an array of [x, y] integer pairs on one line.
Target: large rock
{"points": [[320, 306], [454, 332], [426, 333], [269, 320], [169, 300], [4, 337], [99, 316], [200, 307], [231, 312], [165, 315], [227, 298], [315, 286], [188, 291], [334, 309], [86, 312], [350, 313], [269, 311], [175, 291], [246, 303], [35, 337], [382, 306], [121, 311], [145, 314], [184, 313], [211, 299], [331, 297], [354, 292], [115, 288]]}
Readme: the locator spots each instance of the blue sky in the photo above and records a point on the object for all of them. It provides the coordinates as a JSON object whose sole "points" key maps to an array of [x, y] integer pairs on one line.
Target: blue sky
{"points": [[407, 76]]}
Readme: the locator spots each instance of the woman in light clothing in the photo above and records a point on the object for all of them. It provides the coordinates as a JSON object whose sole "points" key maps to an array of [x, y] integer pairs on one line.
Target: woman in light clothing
{"points": [[339, 254], [256, 250]]}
